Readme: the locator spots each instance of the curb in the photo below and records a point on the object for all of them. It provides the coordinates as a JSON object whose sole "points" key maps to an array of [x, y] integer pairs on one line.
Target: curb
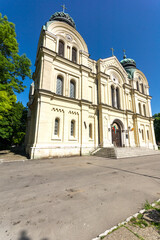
{"points": [[123, 223], [9, 161]]}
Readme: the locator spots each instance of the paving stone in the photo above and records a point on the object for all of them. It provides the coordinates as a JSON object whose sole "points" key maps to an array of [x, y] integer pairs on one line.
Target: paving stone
{"points": [[121, 234], [148, 233]]}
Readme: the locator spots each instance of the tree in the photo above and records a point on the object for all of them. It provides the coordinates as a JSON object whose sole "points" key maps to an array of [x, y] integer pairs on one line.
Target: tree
{"points": [[13, 70], [13, 125], [157, 126], [13, 67]]}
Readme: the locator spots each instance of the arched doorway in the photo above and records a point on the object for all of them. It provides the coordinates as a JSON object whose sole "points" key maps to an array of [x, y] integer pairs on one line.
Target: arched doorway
{"points": [[116, 134]]}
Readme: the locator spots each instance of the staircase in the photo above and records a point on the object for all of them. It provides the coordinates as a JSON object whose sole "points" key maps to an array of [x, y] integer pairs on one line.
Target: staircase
{"points": [[124, 152], [106, 152]]}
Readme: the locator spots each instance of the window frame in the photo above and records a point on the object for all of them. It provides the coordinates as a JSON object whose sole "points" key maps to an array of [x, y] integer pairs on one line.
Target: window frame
{"points": [[90, 131], [74, 57], [61, 87], [118, 97], [56, 127], [144, 110], [112, 96], [72, 131], [61, 51], [139, 108], [73, 83]]}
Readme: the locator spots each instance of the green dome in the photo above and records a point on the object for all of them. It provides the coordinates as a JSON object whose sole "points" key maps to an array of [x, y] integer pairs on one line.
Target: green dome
{"points": [[128, 62], [129, 65], [63, 17]]}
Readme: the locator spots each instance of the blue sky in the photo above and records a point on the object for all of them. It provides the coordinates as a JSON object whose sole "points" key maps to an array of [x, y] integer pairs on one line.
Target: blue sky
{"points": [[121, 24]]}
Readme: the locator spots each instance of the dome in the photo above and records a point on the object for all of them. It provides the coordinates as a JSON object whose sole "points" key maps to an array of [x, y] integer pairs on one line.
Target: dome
{"points": [[129, 65], [63, 17], [128, 62]]}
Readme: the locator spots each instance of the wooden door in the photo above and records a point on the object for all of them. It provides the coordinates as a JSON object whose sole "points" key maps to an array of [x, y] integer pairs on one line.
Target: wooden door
{"points": [[116, 135]]}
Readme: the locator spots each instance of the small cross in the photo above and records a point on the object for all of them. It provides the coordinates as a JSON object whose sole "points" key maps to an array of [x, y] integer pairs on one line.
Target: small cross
{"points": [[112, 51], [124, 51], [64, 8]]}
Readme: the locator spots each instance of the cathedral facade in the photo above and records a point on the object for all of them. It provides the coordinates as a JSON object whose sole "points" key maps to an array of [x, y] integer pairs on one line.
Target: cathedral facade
{"points": [[77, 104]]}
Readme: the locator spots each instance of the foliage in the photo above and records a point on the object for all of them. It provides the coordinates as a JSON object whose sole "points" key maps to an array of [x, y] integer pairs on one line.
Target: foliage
{"points": [[13, 125], [13, 67], [6, 102], [157, 126], [13, 70]]}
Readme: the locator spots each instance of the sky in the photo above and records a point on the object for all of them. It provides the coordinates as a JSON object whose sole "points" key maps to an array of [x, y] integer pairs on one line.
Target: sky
{"points": [[121, 24]]}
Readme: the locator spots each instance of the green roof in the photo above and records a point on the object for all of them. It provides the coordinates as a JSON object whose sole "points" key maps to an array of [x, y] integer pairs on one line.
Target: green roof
{"points": [[63, 17], [129, 65]]}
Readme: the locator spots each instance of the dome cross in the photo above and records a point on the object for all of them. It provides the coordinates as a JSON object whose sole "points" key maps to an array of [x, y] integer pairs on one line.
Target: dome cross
{"points": [[124, 51], [64, 7]]}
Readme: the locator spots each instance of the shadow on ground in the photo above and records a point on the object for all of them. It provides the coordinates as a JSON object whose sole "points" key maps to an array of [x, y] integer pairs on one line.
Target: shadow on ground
{"points": [[20, 150], [24, 236]]}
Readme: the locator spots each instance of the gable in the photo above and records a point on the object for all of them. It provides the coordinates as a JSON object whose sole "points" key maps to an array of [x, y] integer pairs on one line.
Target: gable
{"points": [[111, 66]]}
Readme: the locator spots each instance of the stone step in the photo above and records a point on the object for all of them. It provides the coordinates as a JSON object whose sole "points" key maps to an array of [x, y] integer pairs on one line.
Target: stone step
{"points": [[106, 152], [135, 152], [124, 152]]}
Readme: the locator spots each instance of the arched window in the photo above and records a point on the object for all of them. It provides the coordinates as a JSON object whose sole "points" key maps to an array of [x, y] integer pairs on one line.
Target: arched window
{"points": [[90, 130], [61, 48], [56, 127], [73, 128], [142, 88], [112, 95], [148, 134], [59, 89], [118, 98], [72, 89], [142, 134], [74, 54], [139, 105], [144, 110], [137, 85]]}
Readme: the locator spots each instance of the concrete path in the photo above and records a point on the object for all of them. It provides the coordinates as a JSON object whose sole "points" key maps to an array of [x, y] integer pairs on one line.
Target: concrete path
{"points": [[73, 198]]}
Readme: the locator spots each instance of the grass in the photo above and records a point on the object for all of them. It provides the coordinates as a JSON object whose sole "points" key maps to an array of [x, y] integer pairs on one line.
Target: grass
{"points": [[136, 234], [139, 221], [148, 206]]}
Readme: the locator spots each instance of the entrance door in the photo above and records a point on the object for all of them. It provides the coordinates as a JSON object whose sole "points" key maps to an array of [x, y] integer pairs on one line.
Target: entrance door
{"points": [[116, 135]]}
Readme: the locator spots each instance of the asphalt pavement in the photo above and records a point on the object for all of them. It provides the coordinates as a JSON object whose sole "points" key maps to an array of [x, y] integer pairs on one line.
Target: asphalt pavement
{"points": [[73, 198]]}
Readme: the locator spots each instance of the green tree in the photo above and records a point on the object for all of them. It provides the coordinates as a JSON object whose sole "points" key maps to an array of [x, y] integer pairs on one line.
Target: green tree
{"points": [[13, 125], [157, 126], [13, 67], [13, 70]]}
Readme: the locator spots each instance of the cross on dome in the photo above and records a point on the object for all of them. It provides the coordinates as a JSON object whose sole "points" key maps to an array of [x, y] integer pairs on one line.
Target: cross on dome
{"points": [[124, 51], [64, 7]]}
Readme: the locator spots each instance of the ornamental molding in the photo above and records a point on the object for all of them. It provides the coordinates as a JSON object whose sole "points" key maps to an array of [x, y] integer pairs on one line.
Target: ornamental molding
{"points": [[91, 116], [51, 35], [69, 37], [58, 110], [73, 112], [113, 63]]}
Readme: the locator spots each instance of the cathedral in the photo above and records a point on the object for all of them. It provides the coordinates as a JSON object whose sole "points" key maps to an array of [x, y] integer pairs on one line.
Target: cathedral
{"points": [[77, 105]]}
